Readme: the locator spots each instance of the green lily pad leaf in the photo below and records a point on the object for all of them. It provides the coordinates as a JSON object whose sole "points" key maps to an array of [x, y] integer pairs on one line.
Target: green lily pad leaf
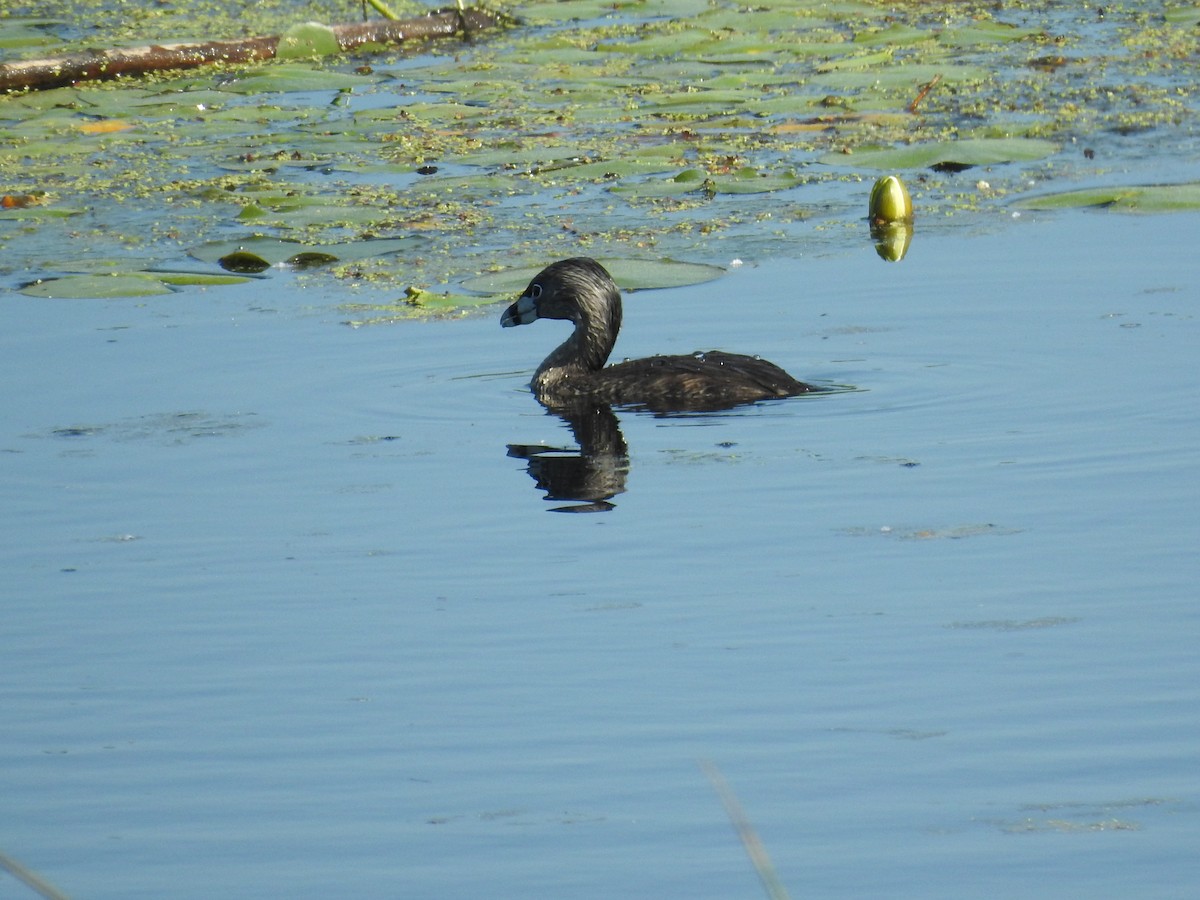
{"points": [[198, 279], [1135, 198], [559, 11], [655, 190], [685, 182], [435, 302], [250, 212], [645, 274], [603, 170], [1184, 15], [744, 181], [895, 35], [37, 213], [22, 32], [259, 252], [984, 32], [901, 77], [708, 102], [751, 181], [415, 303], [271, 163], [366, 249], [795, 106], [167, 102], [663, 45], [788, 16], [325, 213], [974, 152], [630, 274], [97, 287], [103, 265], [851, 63], [464, 188], [599, 9], [307, 40], [288, 77]]}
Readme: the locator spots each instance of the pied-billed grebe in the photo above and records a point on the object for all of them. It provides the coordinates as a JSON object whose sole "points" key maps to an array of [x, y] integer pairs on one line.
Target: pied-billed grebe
{"points": [[581, 290]]}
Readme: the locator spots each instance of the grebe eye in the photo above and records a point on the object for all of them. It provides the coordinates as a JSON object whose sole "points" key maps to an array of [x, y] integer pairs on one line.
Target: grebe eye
{"points": [[535, 291]]}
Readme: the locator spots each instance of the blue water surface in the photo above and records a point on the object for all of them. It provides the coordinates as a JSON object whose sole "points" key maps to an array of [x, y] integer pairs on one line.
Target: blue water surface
{"points": [[283, 617]]}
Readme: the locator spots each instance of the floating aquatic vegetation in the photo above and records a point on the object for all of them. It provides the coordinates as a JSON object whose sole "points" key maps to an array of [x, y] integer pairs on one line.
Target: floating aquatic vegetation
{"points": [[685, 130], [256, 253], [502, 285], [630, 275], [98, 287], [952, 155], [1153, 198]]}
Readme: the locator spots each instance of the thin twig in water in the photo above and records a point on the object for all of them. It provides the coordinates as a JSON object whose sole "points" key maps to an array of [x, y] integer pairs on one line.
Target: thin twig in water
{"points": [[925, 89], [750, 839], [383, 9], [30, 879]]}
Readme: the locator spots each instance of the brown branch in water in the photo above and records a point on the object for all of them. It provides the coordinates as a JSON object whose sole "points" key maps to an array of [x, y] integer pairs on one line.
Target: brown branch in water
{"points": [[103, 65], [925, 89]]}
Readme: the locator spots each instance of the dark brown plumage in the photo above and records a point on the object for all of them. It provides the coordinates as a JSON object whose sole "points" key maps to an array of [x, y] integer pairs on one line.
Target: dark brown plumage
{"points": [[582, 291]]}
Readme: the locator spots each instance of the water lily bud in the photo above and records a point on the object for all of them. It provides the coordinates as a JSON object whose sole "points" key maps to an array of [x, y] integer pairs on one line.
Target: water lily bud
{"points": [[890, 201]]}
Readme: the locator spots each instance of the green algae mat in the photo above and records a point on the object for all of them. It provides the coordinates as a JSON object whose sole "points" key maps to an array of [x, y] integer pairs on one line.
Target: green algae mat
{"points": [[691, 132]]}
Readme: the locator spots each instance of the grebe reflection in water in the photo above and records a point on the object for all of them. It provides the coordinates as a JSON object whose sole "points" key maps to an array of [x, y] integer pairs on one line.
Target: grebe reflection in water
{"points": [[589, 476]]}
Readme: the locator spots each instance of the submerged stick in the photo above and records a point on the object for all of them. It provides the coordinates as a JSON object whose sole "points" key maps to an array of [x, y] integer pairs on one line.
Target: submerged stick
{"points": [[30, 879], [103, 65], [750, 839]]}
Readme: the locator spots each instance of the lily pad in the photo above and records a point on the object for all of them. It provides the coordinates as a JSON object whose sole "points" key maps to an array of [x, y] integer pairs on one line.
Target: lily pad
{"points": [[1184, 15], [97, 287], [973, 152], [596, 9], [443, 302], [604, 170], [1134, 198], [199, 279], [259, 252], [900, 77], [684, 182], [895, 35], [857, 63], [746, 180], [984, 32], [25, 32], [36, 213], [307, 40], [416, 303], [287, 77], [630, 274]]}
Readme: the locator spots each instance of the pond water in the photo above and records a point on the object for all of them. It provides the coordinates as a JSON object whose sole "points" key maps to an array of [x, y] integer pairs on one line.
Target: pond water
{"points": [[284, 617]]}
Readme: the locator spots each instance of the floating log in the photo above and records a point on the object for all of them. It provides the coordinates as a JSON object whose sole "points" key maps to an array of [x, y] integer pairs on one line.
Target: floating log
{"points": [[104, 65]]}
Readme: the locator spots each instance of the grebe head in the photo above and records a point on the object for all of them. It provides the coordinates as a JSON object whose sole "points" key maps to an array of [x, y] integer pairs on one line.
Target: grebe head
{"points": [[576, 289]]}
